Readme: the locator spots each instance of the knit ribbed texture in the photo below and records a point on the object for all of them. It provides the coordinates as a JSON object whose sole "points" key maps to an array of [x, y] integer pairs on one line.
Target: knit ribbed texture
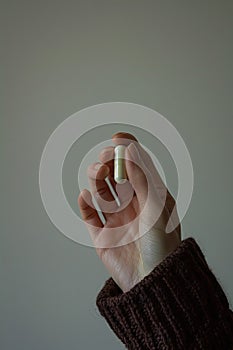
{"points": [[179, 305]]}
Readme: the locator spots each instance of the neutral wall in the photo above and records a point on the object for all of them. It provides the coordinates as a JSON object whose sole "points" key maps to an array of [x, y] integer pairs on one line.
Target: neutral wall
{"points": [[61, 56]]}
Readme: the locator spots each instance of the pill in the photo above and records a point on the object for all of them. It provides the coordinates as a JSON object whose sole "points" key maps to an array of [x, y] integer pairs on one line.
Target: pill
{"points": [[119, 165]]}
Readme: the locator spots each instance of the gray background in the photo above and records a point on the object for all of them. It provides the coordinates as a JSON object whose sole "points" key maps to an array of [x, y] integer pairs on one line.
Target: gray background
{"points": [[61, 56]]}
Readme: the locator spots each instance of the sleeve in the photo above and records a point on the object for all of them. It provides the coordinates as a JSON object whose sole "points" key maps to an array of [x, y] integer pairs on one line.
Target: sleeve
{"points": [[179, 305]]}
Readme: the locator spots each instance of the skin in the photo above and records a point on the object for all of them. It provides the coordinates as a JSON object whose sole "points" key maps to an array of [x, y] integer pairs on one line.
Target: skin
{"points": [[128, 264]]}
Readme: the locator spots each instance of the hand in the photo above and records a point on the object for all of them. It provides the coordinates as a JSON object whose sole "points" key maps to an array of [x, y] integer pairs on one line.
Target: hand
{"points": [[130, 245]]}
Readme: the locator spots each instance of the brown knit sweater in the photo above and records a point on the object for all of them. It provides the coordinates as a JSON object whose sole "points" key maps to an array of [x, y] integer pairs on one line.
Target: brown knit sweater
{"points": [[179, 305]]}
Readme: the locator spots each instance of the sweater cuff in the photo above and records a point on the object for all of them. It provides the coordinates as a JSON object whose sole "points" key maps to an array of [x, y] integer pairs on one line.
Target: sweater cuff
{"points": [[179, 305]]}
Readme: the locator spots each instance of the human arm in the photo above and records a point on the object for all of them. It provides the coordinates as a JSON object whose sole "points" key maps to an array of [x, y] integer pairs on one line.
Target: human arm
{"points": [[161, 295], [179, 305]]}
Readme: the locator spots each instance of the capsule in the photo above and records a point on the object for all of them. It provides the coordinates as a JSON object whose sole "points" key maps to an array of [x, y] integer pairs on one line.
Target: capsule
{"points": [[119, 165]]}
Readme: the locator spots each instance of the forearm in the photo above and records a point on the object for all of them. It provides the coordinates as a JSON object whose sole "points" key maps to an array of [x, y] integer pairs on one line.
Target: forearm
{"points": [[179, 305]]}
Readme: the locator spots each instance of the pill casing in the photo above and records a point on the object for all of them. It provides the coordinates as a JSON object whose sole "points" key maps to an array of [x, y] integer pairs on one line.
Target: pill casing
{"points": [[119, 165]]}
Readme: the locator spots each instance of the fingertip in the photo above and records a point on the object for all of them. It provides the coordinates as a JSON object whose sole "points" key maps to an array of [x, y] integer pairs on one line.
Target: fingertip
{"points": [[107, 154], [84, 198], [103, 171], [123, 138], [98, 171]]}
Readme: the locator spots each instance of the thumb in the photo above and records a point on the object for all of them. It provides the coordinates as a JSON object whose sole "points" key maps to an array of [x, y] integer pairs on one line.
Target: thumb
{"points": [[137, 173]]}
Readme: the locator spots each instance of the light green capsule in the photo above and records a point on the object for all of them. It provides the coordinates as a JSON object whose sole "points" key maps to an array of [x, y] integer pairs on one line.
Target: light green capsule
{"points": [[119, 165]]}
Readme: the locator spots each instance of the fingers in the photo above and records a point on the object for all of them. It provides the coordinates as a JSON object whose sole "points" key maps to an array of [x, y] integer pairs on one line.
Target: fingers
{"points": [[137, 173], [106, 157], [144, 181], [88, 212], [162, 193], [135, 164], [97, 173], [126, 139], [143, 175]]}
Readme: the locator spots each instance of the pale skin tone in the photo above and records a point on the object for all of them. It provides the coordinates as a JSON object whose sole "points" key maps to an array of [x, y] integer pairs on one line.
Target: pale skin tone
{"points": [[124, 262]]}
